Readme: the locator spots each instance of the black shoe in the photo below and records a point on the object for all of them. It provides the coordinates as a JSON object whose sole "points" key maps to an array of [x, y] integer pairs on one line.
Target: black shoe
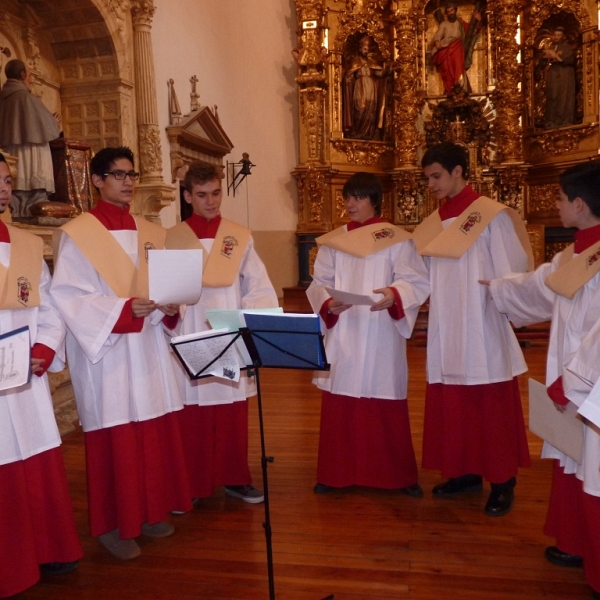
{"points": [[321, 488], [414, 490], [458, 485], [562, 559], [58, 568], [501, 498]]}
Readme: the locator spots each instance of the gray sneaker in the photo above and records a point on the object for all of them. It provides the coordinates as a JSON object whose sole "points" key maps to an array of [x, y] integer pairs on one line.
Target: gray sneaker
{"points": [[247, 493]]}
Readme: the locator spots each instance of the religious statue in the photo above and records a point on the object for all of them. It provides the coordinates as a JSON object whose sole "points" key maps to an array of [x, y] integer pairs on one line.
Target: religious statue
{"points": [[26, 127], [364, 93], [558, 62], [453, 44]]}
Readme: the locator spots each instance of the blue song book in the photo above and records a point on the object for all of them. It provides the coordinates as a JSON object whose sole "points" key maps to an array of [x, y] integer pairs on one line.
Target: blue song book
{"points": [[286, 340]]}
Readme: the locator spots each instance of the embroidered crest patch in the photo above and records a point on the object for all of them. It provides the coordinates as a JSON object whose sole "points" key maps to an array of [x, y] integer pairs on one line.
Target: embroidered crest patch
{"points": [[148, 246], [227, 246], [470, 221], [23, 289], [593, 258], [382, 234]]}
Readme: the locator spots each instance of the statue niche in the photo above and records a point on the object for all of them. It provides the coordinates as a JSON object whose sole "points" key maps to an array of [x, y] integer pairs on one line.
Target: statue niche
{"points": [[557, 72], [364, 89]]}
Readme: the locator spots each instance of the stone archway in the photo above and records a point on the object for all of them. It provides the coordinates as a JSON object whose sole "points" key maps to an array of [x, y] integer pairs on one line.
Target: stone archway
{"points": [[79, 53]]}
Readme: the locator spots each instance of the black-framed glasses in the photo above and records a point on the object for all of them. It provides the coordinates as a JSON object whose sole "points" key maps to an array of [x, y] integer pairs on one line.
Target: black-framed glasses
{"points": [[122, 175]]}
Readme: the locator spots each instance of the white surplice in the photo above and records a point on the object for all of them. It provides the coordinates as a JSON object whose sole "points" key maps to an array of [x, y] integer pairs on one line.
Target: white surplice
{"points": [[367, 350], [117, 378], [469, 342], [252, 288], [582, 370], [27, 422], [526, 300]]}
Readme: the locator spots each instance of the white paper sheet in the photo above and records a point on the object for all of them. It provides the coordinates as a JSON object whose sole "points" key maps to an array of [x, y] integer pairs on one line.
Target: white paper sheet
{"points": [[232, 319], [563, 430], [15, 358], [200, 348], [349, 298], [175, 276]]}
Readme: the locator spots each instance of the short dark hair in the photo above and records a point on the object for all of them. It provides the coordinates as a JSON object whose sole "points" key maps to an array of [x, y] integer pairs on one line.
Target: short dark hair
{"points": [[14, 68], [365, 185], [105, 158], [199, 173], [449, 155], [583, 181]]}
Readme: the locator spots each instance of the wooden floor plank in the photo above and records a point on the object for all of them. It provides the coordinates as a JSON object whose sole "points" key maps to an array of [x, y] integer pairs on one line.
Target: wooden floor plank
{"points": [[358, 544]]}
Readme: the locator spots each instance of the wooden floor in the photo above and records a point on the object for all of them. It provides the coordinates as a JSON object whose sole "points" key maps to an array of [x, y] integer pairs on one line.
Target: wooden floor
{"points": [[355, 544]]}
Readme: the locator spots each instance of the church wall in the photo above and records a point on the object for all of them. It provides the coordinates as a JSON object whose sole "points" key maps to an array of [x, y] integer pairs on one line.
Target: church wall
{"points": [[240, 52]]}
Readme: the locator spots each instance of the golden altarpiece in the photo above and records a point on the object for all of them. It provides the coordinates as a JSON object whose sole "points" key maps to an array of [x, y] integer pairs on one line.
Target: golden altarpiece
{"points": [[92, 63], [498, 111]]}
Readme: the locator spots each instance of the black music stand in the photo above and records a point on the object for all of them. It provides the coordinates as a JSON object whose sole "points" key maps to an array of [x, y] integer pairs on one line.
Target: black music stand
{"points": [[282, 341]]}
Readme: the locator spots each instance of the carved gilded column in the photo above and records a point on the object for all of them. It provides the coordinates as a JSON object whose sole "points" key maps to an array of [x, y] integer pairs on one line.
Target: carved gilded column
{"points": [[407, 104], [507, 96], [151, 194], [406, 175]]}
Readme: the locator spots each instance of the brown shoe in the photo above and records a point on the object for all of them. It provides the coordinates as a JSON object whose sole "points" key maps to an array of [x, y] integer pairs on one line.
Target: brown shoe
{"points": [[158, 530], [122, 549]]}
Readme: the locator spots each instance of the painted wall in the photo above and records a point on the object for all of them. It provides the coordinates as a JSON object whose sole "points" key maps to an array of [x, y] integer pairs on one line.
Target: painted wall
{"points": [[240, 52]]}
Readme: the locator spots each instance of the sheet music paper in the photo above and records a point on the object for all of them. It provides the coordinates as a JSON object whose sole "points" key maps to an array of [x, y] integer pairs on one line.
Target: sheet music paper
{"points": [[203, 347], [349, 298], [232, 319], [563, 430], [175, 276], [15, 358]]}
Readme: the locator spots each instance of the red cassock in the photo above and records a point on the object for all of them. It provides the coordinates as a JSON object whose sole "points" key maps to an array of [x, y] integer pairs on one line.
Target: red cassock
{"points": [[37, 520], [365, 441], [475, 429], [571, 519], [215, 439]]}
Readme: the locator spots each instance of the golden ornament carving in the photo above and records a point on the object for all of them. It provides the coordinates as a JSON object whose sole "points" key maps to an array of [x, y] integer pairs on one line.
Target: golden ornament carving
{"points": [[557, 142], [536, 235], [553, 248], [386, 207], [539, 11], [370, 22], [312, 190], [510, 182], [408, 106], [543, 197], [340, 205], [312, 113], [309, 10], [408, 191], [462, 119], [507, 96], [362, 152]]}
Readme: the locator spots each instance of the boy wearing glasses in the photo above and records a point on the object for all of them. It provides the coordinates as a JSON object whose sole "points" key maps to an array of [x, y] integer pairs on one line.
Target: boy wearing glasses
{"points": [[120, 365]]}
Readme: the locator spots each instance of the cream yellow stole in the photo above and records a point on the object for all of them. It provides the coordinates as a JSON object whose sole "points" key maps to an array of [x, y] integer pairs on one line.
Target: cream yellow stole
{"points": [[432, 239], [222, 265], [365, 240], [574, 272], [20, 281], [107, 256]]}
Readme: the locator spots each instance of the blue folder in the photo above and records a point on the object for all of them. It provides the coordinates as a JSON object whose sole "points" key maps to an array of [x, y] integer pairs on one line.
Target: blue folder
{"points": [[285, 340]]}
